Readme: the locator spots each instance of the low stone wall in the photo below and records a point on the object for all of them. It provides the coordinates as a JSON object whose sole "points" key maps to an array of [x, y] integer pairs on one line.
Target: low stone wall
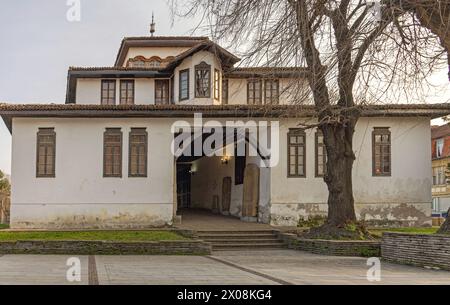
{"points": [[417, 249], [333, 247], [106, 247]]}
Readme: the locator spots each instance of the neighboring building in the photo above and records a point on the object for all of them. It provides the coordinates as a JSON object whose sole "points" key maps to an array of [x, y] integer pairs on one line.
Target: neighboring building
{"points": [[104, 159], [440, 151]]}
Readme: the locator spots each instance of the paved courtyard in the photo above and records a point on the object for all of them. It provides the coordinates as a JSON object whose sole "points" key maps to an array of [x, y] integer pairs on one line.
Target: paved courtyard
{"points": [[249, 267]]}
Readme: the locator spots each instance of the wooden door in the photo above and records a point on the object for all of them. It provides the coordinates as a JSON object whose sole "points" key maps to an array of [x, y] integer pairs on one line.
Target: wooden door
{"points": [[251, 191], [226, 194]]}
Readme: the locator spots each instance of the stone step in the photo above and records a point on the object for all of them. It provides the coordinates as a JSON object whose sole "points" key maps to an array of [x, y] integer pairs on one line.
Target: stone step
{"points": [[259, 246], [240, 232], [236, 236], [244, 241]]}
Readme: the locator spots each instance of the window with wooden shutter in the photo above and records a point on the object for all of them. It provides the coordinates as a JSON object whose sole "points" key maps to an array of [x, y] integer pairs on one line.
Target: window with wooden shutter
{"points": [[127, 92], [254, 92], [138, 152], [271, 91], [112, 153], [296, 153], [321, 155], [162, 91], [108, 92], [46, 153], [381, 149]]}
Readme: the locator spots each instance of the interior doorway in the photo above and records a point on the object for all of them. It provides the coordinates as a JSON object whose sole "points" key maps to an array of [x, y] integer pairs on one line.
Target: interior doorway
{"points": [[183, 185]]}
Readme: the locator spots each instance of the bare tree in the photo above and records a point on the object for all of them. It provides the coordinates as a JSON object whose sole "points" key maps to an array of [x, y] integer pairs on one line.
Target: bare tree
{"points": [[354, 51]]}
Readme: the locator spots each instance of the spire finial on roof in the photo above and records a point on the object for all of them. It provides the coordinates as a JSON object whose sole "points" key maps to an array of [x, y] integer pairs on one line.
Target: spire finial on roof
{"points": [[152, 25]]}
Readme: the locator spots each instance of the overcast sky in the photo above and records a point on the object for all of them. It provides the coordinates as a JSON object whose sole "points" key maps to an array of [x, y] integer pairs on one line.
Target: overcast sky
{"points": [[38, 45]]}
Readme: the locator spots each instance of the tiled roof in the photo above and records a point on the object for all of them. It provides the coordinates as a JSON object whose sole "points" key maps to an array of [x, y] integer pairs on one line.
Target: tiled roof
{"points": [[266, 71], [167, 38], [440, 131], [114, 69], [386, 109], [156, 41]]}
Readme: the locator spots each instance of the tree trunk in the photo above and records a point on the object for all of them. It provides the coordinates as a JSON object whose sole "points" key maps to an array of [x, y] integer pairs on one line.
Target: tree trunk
{"points": [[340, 157], [445, 228]]}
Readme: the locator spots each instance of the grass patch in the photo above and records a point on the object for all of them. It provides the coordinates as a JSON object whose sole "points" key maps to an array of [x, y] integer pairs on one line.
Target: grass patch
{"points": [[120, 236], [3, 226], [379, 232]]}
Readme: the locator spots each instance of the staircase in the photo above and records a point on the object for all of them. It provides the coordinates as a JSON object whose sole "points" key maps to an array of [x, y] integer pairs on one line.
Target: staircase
{"points": [[241, 240]]}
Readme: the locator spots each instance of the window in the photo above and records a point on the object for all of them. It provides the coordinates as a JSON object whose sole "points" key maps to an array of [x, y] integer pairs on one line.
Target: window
{"points": [[436, 207], [240, 163], [112, 153], [127, 92], [439, 147], [272, 88], [184, 85], [108, 92], [161, 91], [321, 155], [381, 138], [46, 153], [225, 91], [254, 92], [439, 176], [216, 84], [296, 153], [138, 153], [203, 80]]}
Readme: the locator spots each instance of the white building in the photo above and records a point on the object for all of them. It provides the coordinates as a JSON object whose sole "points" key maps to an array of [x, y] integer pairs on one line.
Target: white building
{"points": [[104, 159]]}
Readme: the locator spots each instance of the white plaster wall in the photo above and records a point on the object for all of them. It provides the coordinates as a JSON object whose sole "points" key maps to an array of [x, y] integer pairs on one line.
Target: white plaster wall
{"points": [[290, 91], [79, 187], [190, 63], [407, 191], [89, 91]]}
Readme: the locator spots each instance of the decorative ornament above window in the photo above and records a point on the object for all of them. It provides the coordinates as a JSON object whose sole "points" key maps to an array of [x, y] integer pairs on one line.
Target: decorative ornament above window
{"points": [[152, 62]]}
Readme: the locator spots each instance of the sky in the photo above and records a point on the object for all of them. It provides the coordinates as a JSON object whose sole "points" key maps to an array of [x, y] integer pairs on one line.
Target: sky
{"points": [[38, 44]]}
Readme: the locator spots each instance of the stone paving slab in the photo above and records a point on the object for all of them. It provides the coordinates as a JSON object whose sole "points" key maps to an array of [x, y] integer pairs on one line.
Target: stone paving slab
{"points": [[39, 270], [174, 270], [304, 268], [271, 267]]}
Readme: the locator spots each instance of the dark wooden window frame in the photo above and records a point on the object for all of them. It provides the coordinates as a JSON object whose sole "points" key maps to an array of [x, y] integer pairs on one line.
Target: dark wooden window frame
{"points": [[216, 84], [381, 131], [267, 99], [108, 81], [139, 132], [180, 85], [254, 81], [41, 133], [203, 66], [122, 83], [225, 96], [324, 157], [162, 102], [296, 132], [115, 131]]}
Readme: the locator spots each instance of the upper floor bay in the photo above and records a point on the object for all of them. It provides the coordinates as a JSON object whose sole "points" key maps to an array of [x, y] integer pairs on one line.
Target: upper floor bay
{"points": [[180, 70]]}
